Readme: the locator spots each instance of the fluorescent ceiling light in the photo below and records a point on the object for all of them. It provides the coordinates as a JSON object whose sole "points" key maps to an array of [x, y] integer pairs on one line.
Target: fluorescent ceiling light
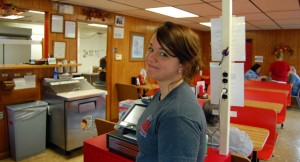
{"points": [[206, 24], [172, 12], [13, 17], [98, 25], [38, 12]]}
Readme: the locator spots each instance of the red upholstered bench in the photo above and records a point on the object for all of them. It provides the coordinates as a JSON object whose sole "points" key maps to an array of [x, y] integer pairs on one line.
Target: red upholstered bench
{"points": [[267, 96], [262, 118], [271, 85]]}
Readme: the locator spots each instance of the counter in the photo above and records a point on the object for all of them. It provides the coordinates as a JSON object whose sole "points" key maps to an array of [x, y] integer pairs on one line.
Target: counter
{"points": [[29, 66]]}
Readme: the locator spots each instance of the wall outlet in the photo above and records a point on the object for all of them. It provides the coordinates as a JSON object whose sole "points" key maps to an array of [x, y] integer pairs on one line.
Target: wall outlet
{"points": [[118, 56], [1, 116]]}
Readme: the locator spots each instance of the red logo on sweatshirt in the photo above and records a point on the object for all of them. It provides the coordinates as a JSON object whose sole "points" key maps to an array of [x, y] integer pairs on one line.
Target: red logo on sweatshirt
{"points": [[145, 126]]}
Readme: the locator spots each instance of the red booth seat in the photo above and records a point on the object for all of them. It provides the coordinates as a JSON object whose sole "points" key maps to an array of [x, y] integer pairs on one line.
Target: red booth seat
{"points": [[271, 85], [275, 97], [257, 117]]}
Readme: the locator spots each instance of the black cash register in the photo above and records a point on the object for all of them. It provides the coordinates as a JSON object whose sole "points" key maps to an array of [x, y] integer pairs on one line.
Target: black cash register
{"points": [[123, 140]]}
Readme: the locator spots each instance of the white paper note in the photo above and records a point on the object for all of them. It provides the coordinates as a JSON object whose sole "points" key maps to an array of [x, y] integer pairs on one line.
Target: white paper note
{"points": [[216, 39], [215, 82], [238, 39], [237, 84], [237, 49]]}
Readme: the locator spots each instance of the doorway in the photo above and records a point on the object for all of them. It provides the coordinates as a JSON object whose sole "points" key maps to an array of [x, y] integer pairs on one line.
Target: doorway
{"points": [[248, 62], [92, 47]]}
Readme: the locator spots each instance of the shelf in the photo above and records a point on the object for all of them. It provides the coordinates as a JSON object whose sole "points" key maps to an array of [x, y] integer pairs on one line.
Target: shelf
{"points": [[28, 66]]}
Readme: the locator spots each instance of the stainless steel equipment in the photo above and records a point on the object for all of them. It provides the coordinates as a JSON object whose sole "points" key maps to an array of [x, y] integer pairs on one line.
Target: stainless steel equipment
{"points": [[73, 106]]}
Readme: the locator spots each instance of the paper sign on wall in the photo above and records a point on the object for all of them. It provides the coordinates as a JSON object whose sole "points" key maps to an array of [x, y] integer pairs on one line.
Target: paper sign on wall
{"points": [[238, 39]]}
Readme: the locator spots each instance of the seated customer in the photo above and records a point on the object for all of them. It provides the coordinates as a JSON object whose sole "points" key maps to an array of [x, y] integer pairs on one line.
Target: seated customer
{"points": [[253, 73], [294, 80], [239, 141]]}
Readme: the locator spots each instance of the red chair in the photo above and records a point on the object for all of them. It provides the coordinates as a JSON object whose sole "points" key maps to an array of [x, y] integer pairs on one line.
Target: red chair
{"points": [[262, 118], [267, 96]]}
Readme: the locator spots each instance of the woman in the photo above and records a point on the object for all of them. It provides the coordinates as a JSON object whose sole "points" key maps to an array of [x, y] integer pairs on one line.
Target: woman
{"points": [[253, 73], [239, 141], [294, 80], [172, 128]]}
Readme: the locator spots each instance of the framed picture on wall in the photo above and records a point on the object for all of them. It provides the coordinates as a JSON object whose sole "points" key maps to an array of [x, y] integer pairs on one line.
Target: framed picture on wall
{"points": [[57, 25], [120, 21], [137, 45], [70, 29], [59, 49]]}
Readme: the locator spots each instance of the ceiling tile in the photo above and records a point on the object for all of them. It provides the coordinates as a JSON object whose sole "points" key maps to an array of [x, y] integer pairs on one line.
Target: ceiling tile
{"points": [[144, 14], [291, 26], [201, 9], [277, 5], [179, 2], [239, 6], [254, 16], [243, 6], [212, 0], [288, 22], [217, 5], [102, 4], [285, 14], [258, 23], [197, 19], [140, 4], [251, 27], [269, 27], [179, 21]]}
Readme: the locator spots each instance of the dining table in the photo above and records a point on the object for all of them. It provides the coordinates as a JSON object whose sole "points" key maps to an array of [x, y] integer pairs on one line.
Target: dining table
{"points": [[257, 135], [277, 107]]}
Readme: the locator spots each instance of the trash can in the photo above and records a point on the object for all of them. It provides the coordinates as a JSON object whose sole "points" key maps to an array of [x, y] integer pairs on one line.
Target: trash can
{"points": [[27, 129]]}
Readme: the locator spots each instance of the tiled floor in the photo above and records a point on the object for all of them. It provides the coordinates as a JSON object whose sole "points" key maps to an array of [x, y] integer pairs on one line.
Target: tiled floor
{"points": [[53, 155], [287, 148]]}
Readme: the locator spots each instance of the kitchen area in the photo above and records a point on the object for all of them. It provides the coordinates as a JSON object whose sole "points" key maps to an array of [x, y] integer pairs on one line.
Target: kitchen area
{"points": [[72, 106], [38, 109]]}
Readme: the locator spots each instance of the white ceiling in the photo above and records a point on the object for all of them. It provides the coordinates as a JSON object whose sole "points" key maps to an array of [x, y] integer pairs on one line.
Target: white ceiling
{"points": [[260, 14]]}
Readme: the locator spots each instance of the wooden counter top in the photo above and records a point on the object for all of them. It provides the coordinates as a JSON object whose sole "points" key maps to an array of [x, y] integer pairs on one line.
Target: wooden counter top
{"points": [[29, 66]]}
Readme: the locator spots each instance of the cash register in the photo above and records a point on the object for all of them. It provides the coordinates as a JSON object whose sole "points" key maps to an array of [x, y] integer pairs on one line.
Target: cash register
{"points": [[123, 140]]}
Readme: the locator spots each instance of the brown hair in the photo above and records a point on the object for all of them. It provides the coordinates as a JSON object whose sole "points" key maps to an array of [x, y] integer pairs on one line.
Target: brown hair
{"points": [[208, 108], [183, 42]]}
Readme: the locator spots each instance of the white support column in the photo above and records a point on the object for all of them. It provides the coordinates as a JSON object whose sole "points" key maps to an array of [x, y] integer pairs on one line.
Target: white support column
{"points": [[225, 66]]}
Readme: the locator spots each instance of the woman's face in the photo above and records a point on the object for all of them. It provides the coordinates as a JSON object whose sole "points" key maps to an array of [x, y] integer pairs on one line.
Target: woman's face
{"points": [[159, 64], [258, 70]]}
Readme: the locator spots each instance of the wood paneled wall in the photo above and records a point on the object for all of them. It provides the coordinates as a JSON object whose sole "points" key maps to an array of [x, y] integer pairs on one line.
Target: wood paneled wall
{"points": [[264, 43]]}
